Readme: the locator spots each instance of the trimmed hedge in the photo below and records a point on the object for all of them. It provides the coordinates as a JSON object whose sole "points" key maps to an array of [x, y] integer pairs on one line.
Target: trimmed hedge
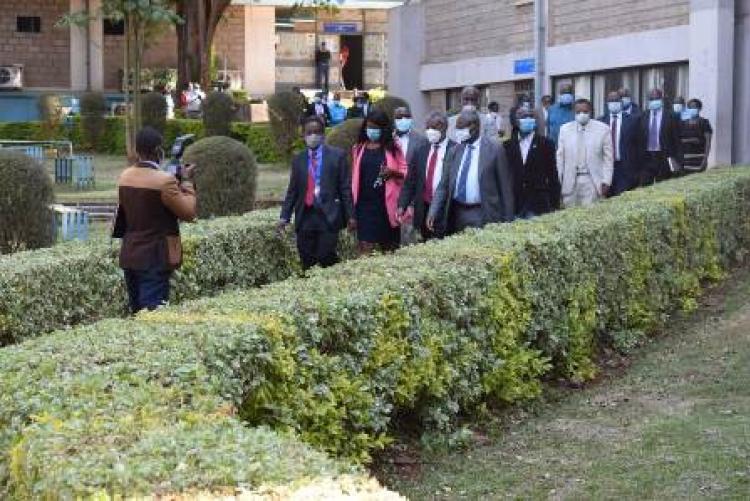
{"points": [[430, 332]]}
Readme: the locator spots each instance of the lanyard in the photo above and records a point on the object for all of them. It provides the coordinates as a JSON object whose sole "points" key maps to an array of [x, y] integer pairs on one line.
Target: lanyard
{"points": [[318, 154]]}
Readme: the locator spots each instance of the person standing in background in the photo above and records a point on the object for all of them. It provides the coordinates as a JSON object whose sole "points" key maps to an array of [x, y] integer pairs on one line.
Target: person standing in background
{"points": [[337, 110], [322, 67], [470, 102], [319, 109], [695, 137], [659, 140], [561, 113], [494, 119], [546, 103], [624, 130], [167, 93], [584, 158], [628, 106]]}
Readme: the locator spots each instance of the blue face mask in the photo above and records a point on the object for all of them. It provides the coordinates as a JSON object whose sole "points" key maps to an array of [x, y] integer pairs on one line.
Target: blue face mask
{"points": [[526, 125], [374, 135], [654, 104], [566, 99], [614, 107], [692, 112], [403, 124], [626, 102]]}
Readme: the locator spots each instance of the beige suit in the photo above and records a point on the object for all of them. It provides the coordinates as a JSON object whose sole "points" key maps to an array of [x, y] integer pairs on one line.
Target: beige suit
{"points": [[584, 166]]}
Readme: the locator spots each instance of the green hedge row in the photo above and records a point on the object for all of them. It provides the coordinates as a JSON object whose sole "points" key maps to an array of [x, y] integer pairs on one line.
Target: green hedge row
{"points": [[112, 141], [68, 284], [339, 357]]}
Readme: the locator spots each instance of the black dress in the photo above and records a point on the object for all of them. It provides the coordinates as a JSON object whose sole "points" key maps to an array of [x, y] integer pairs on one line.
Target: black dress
{"points": [[373, 225], [693, 137]]}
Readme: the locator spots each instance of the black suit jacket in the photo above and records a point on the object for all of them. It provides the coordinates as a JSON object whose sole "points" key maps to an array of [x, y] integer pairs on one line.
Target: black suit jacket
{"points": [[335, 199], [536, 185], [311, 112], [629, 141], [413, 189], [669, 134]]}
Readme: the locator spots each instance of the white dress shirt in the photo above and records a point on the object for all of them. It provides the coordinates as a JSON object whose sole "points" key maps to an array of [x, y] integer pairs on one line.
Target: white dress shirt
{"points": [[473, 195], [438, 175], [618, 133], [404, 142], [525, 143], [658, 129]]}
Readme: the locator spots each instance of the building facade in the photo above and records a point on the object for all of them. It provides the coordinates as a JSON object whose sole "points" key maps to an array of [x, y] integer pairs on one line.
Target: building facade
{"points": [[688, 48]]}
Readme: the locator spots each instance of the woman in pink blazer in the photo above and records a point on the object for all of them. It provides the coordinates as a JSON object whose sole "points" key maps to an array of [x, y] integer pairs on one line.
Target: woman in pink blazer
{"points": [[378, 172]]}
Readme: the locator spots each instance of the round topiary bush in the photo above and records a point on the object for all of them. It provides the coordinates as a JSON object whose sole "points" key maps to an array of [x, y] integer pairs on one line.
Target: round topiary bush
{"points": [[218, 113], [225, 177], [154, 111], [93, 109], [285, 110], [25, 195], [345, 134], [389, 104]]}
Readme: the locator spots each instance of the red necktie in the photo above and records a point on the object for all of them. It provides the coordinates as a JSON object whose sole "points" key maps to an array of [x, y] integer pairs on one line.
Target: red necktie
{"points": [[614, 137], [431, 164], [310, 193]]}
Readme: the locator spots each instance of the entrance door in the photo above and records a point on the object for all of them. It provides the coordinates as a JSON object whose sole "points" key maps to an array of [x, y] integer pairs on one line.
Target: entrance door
{"points": [[352, 55]]}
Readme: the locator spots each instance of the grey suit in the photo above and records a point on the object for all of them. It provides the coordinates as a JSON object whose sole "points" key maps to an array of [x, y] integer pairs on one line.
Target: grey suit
{"points": [[495, 185], [416, 142]]}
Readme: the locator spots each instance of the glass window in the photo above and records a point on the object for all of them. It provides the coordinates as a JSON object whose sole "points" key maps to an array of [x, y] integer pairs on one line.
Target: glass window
{"points": [[28, 24], [113, 28]]}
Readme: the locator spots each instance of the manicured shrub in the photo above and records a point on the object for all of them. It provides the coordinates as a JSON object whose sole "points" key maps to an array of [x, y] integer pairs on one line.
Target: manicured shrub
{"points": [[285, 111], [389, 104], [93, 110], [154, 111], [226, 174], [345, 135], [25, 196], [218, 113]]}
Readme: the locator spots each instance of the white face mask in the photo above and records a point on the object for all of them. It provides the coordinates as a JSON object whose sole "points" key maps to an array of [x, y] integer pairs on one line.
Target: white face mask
{"points": [[469, 107], [313, 140], [433, 135], [583, 118], [463, 135]]}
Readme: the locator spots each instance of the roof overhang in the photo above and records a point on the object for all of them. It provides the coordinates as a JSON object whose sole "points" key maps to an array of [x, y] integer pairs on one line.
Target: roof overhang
{"points": [[341, 4]]}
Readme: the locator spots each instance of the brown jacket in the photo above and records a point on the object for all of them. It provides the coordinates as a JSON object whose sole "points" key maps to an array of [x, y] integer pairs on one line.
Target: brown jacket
{"points": [[152, 204]]}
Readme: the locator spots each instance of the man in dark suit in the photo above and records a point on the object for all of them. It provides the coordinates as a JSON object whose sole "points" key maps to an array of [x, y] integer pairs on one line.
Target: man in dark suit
{"points": [[624, 131], [403, 128], [477, 186], [320, 197], [319, 109], [361, 106], [659, 141], [532, 162], [425, 172], [322, 66], [629, 107]]}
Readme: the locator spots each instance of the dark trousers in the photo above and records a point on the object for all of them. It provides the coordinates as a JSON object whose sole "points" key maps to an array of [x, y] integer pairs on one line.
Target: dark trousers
{"points": [[655, 168], [622, 180], [465, 216], [316, 241], [321, 76], [147, 289]]}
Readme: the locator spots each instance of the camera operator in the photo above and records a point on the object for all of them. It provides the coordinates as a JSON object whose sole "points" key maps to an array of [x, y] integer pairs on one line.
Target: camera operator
{"points": [[151, 204]]}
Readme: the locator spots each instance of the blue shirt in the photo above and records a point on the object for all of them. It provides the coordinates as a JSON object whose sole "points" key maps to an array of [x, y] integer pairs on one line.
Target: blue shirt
{"points": [[338, 113], [558, 115]]}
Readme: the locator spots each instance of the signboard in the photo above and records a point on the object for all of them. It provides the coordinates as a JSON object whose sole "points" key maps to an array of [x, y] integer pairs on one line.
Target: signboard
{"points": [[523, 66], [340, 27]]}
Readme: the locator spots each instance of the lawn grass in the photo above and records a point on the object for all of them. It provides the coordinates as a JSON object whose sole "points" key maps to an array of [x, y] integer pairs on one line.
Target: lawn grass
{"points": [[673, 425]]}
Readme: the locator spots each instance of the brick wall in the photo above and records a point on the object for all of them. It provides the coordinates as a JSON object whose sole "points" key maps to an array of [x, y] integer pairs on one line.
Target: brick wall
{"points": [[45, 55], [229, 40], [161, 52], [473, 28], [578, 20]]}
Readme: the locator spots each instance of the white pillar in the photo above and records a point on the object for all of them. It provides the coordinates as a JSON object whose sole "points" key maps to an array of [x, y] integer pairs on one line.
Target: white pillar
{"points": [[260, 50], [712, 70], [83, 50]]}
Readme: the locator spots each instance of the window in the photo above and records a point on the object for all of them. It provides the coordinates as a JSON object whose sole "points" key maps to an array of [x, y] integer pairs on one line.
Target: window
{"points": [[112, 27], [28, 24]]}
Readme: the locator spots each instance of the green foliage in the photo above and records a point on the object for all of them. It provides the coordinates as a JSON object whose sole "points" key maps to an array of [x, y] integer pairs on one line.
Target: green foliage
{"points": [[345, 135], [218, 113], [93, 110], [389, 104], [285, 110], [154, 111], [226, 174], [432, 331], [25, 195]]}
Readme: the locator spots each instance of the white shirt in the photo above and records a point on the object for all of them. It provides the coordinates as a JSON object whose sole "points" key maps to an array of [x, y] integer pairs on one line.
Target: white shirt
{"points": [[404, 142], [473, 195], [319, 109], [618, 133], [193, 101], [170, 105], [438, 174], [525, 143], [658, 129]]}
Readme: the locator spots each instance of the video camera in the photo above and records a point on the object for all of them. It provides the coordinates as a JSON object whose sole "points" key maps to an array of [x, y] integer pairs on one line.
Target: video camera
{"points": [[175, 165]]}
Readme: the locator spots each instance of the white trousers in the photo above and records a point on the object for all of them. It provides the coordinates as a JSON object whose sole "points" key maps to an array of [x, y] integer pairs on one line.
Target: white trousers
{"points": [[584, 193]]}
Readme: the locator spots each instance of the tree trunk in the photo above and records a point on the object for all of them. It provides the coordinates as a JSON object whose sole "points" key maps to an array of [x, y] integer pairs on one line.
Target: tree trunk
{"points": [[127, 87], [195, 37]]}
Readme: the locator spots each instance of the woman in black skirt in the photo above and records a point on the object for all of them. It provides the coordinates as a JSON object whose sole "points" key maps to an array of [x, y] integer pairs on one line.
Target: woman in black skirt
{"points": [[378, 172], [695, 135]]}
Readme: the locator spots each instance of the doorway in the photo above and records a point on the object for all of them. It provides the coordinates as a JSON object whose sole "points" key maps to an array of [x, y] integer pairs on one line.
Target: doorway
{"points": [[352, 61]]}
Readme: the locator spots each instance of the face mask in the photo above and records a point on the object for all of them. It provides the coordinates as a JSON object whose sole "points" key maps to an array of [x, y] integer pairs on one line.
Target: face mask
{"points": [[336, 102], [583, 118], [313, 140], [654, 104], [566, 99], [677, 107], [433, 135], [359, 104], [526, 106], [693, 112], [614, 107], [626, 102], [374, 135], [526, 125], [470, 107], [403, 124], [317, 100], [463, 135]]}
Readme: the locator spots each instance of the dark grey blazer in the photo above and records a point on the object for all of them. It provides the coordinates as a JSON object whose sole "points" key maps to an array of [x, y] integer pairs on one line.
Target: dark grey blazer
{"points": [[335, 189], [495, 184]]}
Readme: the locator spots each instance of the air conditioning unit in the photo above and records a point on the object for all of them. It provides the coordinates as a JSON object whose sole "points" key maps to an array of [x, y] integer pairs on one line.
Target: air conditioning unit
{"points": [[11, 76]]}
